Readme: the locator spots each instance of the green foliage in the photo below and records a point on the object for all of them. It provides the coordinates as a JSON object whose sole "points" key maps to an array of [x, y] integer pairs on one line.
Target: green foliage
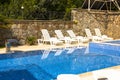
{"points": [[3, 20], [38, 9], [2, 46], [31, 40], [4, 1]]}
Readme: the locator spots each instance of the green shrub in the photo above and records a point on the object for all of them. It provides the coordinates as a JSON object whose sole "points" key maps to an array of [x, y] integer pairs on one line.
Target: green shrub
{"points": [[31, 40]]}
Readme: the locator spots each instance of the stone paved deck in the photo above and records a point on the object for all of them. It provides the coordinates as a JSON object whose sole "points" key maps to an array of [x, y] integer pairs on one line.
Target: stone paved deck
{"points": [[38, 47]]}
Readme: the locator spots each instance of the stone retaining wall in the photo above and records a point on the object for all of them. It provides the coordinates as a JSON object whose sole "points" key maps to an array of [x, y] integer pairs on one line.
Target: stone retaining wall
{"points": [[23, 29], [108, 24]]}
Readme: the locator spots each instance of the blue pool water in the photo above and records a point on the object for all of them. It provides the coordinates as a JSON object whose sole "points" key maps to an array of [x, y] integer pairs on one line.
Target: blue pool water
{"points": [[47, 64], [109, 48], [114, 42]]}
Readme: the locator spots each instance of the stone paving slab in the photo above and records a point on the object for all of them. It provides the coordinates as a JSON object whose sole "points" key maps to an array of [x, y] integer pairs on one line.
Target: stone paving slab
{"points": [[89, 75]]}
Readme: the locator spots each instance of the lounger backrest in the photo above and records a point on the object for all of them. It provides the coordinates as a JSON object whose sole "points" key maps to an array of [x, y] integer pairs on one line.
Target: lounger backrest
{"points": [[45, 34], [59, 34], [88, 33], [98, 32], [71, 33]]}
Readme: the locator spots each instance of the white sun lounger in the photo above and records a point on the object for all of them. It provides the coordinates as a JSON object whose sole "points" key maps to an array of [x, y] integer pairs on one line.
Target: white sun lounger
{"points": [[60, 36], [91, 37], [79, 38], [104, 37], [68, 77], [47, 38]]}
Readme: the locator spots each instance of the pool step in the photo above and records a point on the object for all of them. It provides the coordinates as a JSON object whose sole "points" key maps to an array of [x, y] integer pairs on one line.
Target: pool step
{"points": [[39, 73]]}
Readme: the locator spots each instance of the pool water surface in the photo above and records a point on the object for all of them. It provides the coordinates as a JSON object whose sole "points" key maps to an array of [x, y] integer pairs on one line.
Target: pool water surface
{"points": [[47, 64], [114, 42]]}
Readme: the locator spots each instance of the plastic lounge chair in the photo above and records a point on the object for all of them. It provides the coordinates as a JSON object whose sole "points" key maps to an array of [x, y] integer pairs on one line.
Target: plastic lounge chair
{"points": [[98, 33], [110, 74], [68, 77], [79, 38], [60, 36], [47, 38], [91, 37]]}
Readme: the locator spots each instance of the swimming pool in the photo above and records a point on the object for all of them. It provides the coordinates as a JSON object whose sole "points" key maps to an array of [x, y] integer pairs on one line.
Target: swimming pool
{"points": [[109, 48], [114, 42], [47, 64]]}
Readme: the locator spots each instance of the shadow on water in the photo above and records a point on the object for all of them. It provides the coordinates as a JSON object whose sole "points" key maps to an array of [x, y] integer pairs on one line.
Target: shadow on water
{"points": [[16, 75]]}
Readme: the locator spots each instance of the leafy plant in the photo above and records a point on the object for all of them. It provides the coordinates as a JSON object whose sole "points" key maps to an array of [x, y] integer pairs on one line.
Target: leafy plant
{"points": [[4, 20], [31, 40]]}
